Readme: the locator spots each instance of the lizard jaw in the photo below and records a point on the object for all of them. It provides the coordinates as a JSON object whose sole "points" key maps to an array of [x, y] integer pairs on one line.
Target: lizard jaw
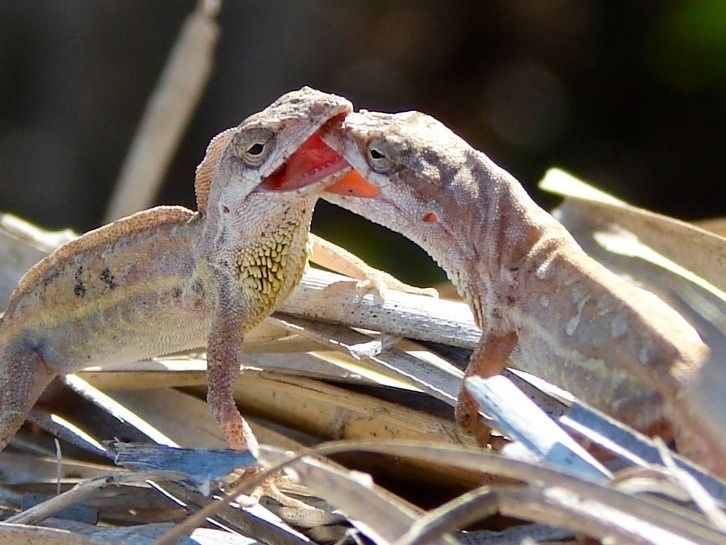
{"points": [[315, 162]]}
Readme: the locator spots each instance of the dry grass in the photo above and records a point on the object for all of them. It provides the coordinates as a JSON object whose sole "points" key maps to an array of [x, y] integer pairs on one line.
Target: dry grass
{"points": [[340, 373]]}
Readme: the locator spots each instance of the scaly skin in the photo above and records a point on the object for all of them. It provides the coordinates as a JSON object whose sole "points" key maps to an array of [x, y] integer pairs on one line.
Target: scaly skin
{"points": [[168, 279], [536, 295]]}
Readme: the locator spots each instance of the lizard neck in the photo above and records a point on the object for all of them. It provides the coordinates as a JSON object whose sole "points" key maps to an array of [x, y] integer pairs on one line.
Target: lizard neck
{"points": [[484, 254], [260, 254]]}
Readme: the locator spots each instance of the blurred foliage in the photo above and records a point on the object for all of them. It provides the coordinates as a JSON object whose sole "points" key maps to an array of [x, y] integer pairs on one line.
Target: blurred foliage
{"points": [[628, 95], [688, 45]]}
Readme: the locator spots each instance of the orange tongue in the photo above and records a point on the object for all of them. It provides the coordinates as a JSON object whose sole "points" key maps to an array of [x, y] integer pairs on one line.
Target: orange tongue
{"points": [[354, 184]]}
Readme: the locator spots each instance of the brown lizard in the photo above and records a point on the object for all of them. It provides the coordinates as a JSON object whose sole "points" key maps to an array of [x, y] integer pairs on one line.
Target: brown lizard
{"points": [[537, 297], [169, 279]]}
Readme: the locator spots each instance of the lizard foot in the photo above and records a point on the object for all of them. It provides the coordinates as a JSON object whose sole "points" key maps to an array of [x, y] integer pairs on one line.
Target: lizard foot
{"points": [[269, 488], [378, 282], [320, 513]]}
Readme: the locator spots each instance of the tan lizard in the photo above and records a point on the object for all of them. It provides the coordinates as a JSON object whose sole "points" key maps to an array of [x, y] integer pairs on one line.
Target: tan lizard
{"points": [[169, 279], [534, 293]]}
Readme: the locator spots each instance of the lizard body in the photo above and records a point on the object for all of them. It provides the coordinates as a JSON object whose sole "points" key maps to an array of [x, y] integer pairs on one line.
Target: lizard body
{"points": [[100, 284], [537, 297], [169, 279]]}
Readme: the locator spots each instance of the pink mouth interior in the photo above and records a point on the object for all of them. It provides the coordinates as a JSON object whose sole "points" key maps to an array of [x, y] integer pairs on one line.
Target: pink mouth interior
{"points": [[313, 161]]}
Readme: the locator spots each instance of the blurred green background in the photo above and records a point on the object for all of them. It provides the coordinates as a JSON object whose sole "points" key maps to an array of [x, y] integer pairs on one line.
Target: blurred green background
{"points": [[628, 95]]}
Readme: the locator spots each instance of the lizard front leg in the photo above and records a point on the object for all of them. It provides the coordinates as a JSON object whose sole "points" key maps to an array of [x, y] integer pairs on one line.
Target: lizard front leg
{"points": [[340, 260], [224, 359], [487, 360]]}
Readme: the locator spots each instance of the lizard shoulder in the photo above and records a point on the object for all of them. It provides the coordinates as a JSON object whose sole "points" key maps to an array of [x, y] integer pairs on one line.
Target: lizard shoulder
{"points": [[135, 223]]}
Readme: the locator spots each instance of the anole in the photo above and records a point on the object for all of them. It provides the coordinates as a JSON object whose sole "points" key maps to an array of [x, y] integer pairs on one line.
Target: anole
{"points": [[169, 279], [537, 297]]}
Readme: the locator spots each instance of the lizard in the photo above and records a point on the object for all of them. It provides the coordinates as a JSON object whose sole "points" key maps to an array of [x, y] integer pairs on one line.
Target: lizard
{"points": [[535, 294], [168, 279]]}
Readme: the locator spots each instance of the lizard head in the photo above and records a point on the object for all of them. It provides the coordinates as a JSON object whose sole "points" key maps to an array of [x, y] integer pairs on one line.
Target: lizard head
{"points": [[257, 186], [269, 170], [418, 168], [275, 148]]}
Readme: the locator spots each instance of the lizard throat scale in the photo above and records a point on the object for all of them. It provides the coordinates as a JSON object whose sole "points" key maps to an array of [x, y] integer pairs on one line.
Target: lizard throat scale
{"points": [[264, 268]]}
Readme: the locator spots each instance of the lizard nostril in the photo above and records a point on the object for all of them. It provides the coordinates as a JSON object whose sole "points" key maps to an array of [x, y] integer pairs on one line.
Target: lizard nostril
{"points": [[431, 217], [225, 209]]}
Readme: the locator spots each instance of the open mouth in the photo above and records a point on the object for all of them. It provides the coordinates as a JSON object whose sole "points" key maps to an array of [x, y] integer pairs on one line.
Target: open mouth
{"points": [[315, 161]]}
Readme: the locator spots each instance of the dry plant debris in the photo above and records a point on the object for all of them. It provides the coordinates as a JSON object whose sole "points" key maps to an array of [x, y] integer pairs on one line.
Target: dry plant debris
{"points": [[375, 376]]}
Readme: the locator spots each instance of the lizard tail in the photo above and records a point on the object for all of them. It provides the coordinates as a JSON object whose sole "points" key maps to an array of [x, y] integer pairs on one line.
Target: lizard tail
{"points": [[23, 377]]}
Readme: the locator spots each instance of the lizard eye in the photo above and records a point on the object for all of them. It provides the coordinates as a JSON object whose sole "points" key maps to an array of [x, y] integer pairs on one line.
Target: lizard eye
{"points": [[255, 149], [382, 157], [253, 146]]}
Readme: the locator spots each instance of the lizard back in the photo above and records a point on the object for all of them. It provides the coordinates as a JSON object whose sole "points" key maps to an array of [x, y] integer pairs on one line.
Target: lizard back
{"points": [[95, 297]]}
